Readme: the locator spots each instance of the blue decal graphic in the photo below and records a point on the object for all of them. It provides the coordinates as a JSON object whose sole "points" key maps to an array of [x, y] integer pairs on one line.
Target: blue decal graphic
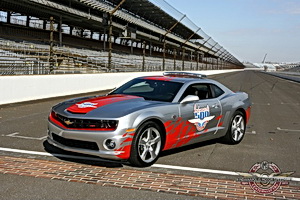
{"points": [[202, 117], [87, 105]]}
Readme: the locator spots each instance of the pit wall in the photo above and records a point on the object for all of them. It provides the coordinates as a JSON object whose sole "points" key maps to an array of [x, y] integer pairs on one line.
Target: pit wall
{"points": [[15, 89]]}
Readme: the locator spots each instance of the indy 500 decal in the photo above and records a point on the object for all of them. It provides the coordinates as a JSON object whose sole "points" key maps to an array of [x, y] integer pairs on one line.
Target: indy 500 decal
{"points": [[87, 105], [202, 117]]}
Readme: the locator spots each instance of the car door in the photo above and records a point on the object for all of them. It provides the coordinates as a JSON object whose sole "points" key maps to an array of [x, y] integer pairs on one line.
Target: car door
{"points": [[203, 115]]}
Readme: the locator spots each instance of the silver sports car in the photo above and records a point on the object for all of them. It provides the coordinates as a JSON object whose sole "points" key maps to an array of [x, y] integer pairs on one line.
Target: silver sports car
{"points": [[147, 115]]}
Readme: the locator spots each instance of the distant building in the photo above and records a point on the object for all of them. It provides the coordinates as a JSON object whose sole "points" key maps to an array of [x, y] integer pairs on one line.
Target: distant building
{"points": [[266, 66]]}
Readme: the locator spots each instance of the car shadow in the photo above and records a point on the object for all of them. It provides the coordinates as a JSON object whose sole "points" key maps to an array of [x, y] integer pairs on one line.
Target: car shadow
{"points": [[80, 158], [100, 162]]}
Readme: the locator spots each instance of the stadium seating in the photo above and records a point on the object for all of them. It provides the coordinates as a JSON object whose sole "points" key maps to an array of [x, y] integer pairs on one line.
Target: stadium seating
{"points": [[33, 58]]}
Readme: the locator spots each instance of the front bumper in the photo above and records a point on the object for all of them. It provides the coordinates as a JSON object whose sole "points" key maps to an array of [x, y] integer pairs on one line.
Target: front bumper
{"points": [[91, 142]]}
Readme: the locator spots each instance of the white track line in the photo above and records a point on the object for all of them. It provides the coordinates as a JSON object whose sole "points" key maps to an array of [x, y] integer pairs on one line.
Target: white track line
{"points": [[282, 129], [212, 171], [16, 135]]}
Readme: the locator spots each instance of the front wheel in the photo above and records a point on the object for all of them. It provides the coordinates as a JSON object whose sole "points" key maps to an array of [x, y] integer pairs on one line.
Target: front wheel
{"points": [[146, 145], [236, 129]]}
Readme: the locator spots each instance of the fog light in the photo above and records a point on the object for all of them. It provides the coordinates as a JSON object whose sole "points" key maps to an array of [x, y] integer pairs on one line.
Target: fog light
{"points": [[110, 144]]}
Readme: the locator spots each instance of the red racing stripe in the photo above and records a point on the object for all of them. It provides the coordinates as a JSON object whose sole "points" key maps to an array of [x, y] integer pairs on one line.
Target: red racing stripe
{"points": [[248, 113], [159, 78]]}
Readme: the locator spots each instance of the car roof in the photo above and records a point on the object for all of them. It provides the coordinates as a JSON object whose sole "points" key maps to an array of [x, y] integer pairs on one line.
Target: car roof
{"points": [[182, 77]]}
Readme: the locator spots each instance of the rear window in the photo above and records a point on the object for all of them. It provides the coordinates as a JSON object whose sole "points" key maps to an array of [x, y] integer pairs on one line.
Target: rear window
{"points": [[216, 91]]}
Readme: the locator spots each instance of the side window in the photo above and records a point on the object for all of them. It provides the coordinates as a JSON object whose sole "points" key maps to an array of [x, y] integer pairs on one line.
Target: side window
{"points": [[216, 91], [200, 90]]}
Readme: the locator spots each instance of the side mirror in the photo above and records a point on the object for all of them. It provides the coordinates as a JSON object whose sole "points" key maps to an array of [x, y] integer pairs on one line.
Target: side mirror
{"points": [[190, 98]]}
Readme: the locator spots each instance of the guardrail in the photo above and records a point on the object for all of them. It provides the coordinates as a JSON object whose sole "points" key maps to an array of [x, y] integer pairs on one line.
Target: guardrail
{"points": [[287, 76]]}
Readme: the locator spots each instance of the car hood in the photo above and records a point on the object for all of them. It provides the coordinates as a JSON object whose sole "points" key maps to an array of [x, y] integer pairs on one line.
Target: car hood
{"points": [[111, 106]]}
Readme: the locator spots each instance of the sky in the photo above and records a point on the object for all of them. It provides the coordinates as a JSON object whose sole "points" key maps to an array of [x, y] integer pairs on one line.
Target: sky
{"points": [[249, 29]]}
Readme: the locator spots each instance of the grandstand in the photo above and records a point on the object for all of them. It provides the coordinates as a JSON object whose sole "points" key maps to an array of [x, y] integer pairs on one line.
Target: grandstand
{"points": [[294, 69], [268, 66], [94, 36]]}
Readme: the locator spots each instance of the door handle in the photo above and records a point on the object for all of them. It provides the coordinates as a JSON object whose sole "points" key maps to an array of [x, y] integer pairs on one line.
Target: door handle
{"points": [[215, 106]]}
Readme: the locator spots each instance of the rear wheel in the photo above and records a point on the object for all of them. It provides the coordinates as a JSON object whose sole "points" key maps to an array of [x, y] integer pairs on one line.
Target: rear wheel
{"points": [[146, 145], [237, 128]]}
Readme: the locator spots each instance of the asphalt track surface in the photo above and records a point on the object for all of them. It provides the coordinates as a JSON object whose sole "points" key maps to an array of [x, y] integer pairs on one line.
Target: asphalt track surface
{"points": [[273, 135]]}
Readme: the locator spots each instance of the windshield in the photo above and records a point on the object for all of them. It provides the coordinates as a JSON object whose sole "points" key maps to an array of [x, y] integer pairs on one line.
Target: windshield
{"points": [[155, 90]]}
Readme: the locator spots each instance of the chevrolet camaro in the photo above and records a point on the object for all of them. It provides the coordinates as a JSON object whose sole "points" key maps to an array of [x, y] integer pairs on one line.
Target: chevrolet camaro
{"points": [[148, 115]]}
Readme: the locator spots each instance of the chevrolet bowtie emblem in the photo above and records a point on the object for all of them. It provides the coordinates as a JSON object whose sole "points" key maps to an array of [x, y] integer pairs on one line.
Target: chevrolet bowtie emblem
{"points": [[68, 122]]}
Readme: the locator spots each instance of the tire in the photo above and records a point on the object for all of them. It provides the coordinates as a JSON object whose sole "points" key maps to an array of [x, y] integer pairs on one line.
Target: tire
{"points": [[237, 128], [146, 145]]}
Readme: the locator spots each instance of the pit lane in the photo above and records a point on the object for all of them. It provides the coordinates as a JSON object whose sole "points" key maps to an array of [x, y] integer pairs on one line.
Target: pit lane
{"points": [[272, 132]]}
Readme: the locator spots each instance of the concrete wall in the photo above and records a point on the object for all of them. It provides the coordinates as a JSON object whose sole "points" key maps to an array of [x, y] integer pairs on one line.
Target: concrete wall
{"points": [[25, 88]]}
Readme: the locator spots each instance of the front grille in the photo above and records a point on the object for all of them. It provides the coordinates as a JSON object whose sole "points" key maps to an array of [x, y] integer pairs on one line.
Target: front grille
{"points": [[108, 125], [75, 143]]}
